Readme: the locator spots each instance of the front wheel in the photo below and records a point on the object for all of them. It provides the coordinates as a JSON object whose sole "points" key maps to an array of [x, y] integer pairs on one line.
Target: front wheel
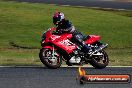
{"points": [[100, 61], [49, 58]]}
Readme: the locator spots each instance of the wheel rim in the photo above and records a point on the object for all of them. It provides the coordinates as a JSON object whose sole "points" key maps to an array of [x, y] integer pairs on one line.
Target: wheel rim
{"points": [[101, 59], [50, 58]]}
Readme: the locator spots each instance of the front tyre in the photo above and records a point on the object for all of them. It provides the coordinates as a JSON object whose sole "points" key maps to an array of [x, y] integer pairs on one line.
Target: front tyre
{"points": [[49, 58], [100, 61]]}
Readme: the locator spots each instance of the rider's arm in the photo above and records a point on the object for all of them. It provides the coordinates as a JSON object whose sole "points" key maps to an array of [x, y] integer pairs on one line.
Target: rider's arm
{"points": [[67, 26]]}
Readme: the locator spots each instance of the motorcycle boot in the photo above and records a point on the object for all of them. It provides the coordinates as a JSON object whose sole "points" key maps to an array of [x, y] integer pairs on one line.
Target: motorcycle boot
{"points": [[86, 49]]}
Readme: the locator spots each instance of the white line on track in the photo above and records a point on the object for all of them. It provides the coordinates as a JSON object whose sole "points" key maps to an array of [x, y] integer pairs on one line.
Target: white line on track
{"points": [[62, 66], [92, 66]]}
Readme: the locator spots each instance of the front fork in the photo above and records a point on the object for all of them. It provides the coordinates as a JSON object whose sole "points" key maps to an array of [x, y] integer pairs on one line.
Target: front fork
{"points": [[53, 54]]}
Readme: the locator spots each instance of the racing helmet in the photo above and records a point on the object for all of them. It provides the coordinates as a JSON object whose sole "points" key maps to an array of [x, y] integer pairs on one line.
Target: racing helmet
{"points": [[58, 17]]}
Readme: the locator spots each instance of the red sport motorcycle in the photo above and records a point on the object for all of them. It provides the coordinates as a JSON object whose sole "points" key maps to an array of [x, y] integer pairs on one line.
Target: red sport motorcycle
{"points": [[59, 48]]}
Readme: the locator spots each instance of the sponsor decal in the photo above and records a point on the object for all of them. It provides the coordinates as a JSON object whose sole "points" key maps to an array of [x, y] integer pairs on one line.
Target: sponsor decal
{"points": [[83, 78]]}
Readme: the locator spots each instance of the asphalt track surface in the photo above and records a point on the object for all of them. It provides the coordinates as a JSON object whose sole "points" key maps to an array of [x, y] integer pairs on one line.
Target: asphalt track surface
{"points": [[40, 77], [88, 3]]}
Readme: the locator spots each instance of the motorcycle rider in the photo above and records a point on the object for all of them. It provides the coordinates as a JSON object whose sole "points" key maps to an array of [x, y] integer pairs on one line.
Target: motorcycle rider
{"points": [[65, 26]]}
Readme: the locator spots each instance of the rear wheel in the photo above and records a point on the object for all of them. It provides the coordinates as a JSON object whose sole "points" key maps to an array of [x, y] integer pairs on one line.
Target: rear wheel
{"points": [[49, 58], [100, 61]]}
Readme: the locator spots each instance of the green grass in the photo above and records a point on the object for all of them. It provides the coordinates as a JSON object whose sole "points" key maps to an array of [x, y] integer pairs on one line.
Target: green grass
{"points": [[22, 57], [23, 23], [120, 57], [19, 57]]}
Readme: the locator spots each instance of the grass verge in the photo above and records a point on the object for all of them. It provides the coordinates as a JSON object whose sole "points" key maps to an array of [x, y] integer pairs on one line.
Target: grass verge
{"points": [[27, 57]]}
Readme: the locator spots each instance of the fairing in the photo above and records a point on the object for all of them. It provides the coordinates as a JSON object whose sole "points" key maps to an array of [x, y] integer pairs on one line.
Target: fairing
{"points": [[92, 39]]}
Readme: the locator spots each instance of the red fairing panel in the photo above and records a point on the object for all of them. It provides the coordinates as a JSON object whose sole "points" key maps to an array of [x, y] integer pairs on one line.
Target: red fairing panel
{"points": [[64, 43], [48, 47], [66, 46], [65, 36], [92, 39], [49, 34]]}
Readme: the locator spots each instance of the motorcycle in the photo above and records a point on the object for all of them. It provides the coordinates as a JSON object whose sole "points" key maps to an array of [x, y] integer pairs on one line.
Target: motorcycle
{"points": [[58, 48]]}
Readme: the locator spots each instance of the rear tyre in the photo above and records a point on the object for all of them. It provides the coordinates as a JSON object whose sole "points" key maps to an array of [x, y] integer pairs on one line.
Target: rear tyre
{"points": [[100, 62], [47, 58]]}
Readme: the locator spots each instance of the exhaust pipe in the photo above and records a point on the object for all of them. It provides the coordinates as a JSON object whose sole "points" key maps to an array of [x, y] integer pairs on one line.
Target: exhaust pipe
{"points": [[99, 48]]}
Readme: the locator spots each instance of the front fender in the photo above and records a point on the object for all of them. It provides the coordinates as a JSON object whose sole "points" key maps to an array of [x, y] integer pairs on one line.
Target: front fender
{"points": [[48, 47]]}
